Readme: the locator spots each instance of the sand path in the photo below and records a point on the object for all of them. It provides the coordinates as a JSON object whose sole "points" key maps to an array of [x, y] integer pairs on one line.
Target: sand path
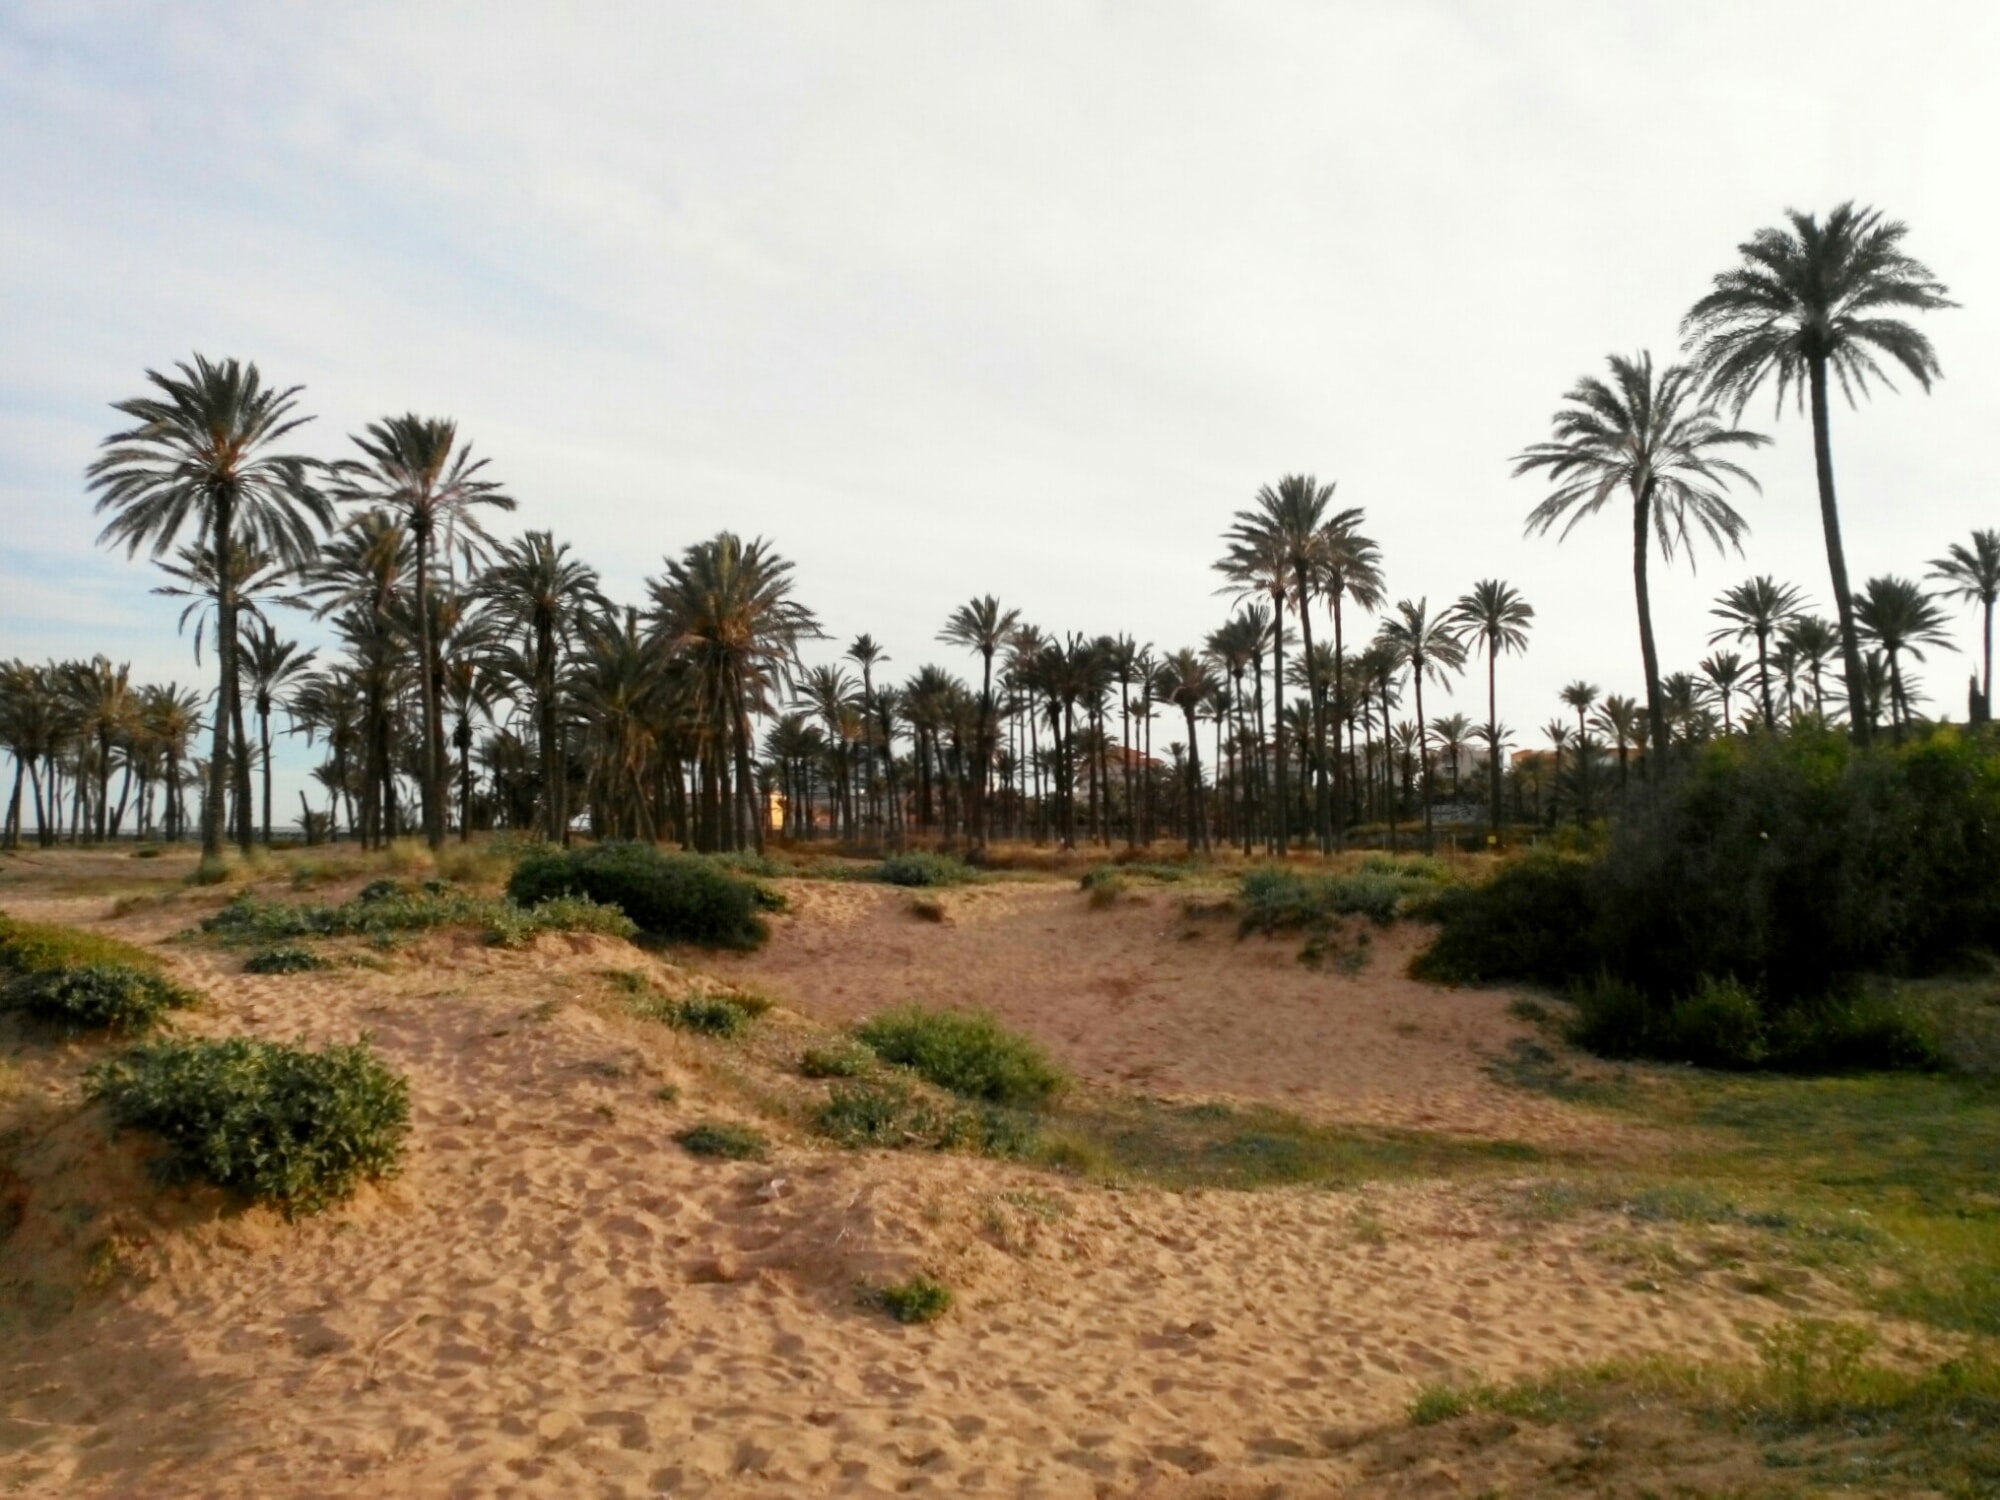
{"points": [[555, 1300]]}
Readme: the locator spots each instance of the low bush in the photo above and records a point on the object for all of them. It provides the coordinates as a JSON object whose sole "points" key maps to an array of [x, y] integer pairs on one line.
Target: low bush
{"points": [[26, 947], [928, 909], [681, 898], [284, 958], [387, 908], [1725, 1025], [841, 1060], [94, 997], [888, 1112], [731, 1142], [1531, 920], [919, 1299], [282, 1125], [923, 869], [711, 1015], [1275, 900], [1104, 886], [965, 1052]]}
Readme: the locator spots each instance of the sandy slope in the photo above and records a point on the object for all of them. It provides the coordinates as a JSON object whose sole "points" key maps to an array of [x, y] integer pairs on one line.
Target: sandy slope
{"points": [[556, 1300]]}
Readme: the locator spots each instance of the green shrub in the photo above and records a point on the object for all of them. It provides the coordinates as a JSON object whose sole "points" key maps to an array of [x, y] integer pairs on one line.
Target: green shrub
{"points": [[94, 997], [1531, 920], [711, 1015], [966, 1052], [683, 898], [842, 1060], [284, 958], [918, 1299], [923, 869], [730, 1141], [294, 1128], [1437, 1403], [1277, 900], [386, 908], [1104, 886], [1723, 1024], [29, 946]]}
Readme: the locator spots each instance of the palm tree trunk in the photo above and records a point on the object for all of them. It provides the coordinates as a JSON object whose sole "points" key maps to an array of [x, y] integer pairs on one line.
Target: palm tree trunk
{"points": [[225, 653], [1278, 687], [1316, 722], [1424, 755], [1656, 712], [264, 743], [1764, 678], [428, 694], [1339, 690], [1493, 735], [1986, 689], [1836, 554]]}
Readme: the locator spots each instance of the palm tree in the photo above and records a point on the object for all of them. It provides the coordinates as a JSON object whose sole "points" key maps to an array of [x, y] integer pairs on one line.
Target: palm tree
{"points": [[1653, 438], [1429, 648], [1494, 616], [1805, 301], [1581, 696], [982, 625], [1184, 680], [727, 606], [200, 456], [1452, 731], [1723, 673], [1276, 546], [273, 667], [418, 470], [1898, 616], [1350, 567], [1814, 640], [1617, 718], [1973, 575], [1752, 612], [543, 596], [1558, 732]]}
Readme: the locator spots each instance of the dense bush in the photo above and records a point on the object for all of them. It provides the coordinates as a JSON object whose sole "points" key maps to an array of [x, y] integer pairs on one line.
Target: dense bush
{"points": [[1275, 900], [890, 1112], [94, 997], [966, 1052], [279, 1124], [387, 908], [682, 898], [284, 958], [923, 869], [1733, 914], [28, 946], [841, 1060]]}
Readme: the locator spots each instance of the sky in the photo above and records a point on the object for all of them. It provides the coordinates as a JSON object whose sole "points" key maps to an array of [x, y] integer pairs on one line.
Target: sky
{"points": [[1023, 299]]}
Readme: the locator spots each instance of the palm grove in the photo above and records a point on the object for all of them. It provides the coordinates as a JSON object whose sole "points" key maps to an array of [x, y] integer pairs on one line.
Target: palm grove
{"points": [[487, 682]]}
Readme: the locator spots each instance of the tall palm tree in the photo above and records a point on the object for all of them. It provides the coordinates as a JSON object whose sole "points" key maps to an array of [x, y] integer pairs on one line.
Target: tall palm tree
{"points": [[1350, 569], [1429, 647], [1184, 680], [1808, 300], [1900, 617], [1973, 575], [1495, 617], [416, 468], [201, 457], [274, 666], [1655, 439], [982, 625], [544, 596], [1753, 611], [1581, 696], [1815, 641], [867, 653], [1276, 546], [727, 605], [1452, 731], [1558, 732], [1723, 673], [1617, 719]]}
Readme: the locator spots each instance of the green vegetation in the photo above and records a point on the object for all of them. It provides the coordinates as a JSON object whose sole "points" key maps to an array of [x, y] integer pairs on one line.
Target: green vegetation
{"points": [[891, 1112], [285, 958], [94, 997], [711, 1015], [843, 1059], [724, 1139], [919, 868], [26, 947], [386, 909], [916, 1299], [1278, 900], [281, 1125], [677, 898], [964, 1052], [1735, 914]]}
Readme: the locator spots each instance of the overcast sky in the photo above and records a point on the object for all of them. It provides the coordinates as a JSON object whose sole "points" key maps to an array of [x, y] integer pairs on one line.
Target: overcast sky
{"points": [[949, 299]]}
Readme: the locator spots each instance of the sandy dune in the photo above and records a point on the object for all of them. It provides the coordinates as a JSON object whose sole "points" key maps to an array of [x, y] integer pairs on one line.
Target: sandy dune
{"points": [[555, 1300]]}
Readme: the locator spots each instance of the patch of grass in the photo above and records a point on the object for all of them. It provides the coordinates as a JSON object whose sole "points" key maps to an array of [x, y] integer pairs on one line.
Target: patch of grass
{"points": [[916, 1299], [724, 1139], [710, 1015], [919, 869], [95, 997], [385, 909], [839, 1060], [1438, 1403], [26, 947], [282, 1125], [967, 1053], [285, 958], [1276, 899]]}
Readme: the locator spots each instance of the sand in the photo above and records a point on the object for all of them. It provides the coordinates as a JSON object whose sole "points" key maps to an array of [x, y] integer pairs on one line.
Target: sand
{"points": [[555, 1300]]}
